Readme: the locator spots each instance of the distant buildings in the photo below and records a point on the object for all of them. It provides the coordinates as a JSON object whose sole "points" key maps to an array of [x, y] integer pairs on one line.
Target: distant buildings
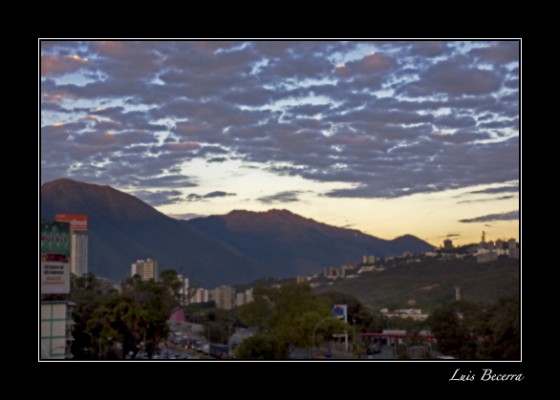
{"points": [[224, 296], [243, 298], [412, 313], [447, 244], [183, 289], [200, 296], [332, 273], [146, 269], [490, 251], [368, 260]]}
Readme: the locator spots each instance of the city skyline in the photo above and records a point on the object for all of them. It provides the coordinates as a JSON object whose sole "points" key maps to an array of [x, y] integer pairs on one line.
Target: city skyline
{"points": [[386, 137]]}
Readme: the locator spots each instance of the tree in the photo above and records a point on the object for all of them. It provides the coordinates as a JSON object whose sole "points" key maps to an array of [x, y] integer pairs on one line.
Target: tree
{"points": [[358, 313], [456, 327], [104, 318], [170, 279], [287, 317], [262, 347], [503, 328]]}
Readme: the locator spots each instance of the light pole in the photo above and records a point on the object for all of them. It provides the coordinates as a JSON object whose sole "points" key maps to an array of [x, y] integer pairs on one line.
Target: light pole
{"points": [[315, 330]]}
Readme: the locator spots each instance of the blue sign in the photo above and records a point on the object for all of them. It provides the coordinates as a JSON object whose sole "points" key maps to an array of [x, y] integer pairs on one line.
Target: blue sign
{"points": [[339, 311]]}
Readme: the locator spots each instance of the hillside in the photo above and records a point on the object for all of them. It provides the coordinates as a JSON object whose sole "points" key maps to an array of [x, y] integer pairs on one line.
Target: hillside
{"points": [[299, 245], [433, 281]]}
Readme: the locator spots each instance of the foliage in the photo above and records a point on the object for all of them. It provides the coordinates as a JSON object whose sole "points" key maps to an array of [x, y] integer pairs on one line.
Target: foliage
{"points": [[467, 331], [503, 328], [364, 319], [112, 324], [262, 347], [288, 317], [456, 327]]}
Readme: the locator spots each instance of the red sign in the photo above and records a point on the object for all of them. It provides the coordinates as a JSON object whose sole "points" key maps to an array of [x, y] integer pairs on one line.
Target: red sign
{"points": [[78, 222]]}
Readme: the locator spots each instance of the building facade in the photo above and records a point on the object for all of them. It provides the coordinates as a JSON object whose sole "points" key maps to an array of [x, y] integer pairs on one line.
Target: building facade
{"points": [[56, 329], [224, 296], [79, 241], [146, 269], [200, 296]]}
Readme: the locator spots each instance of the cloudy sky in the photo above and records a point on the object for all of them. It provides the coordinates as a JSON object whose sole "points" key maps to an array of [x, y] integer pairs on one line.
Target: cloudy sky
{"points": [[387, 137]]}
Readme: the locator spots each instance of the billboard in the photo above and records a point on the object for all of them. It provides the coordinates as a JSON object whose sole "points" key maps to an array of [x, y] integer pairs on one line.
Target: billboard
{"points": [[340, 311], [78, 222], [55, 238], [55, 253], [55, 275]]}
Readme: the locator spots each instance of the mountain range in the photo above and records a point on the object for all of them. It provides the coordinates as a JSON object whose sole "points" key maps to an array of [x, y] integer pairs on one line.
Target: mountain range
{"points": [[237, 247]]}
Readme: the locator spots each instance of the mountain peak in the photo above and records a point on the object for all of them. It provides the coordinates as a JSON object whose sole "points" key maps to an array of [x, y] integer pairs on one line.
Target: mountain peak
{"points": [[74, 197]]}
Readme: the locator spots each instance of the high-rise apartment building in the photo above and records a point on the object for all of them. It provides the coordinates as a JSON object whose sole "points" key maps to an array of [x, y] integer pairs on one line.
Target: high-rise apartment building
{"points": [[224, 296], [79, 242], [146, 269]]}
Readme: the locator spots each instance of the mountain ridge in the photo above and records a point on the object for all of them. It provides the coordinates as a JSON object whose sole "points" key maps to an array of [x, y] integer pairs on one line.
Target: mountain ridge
{"points": [[231, 248]]}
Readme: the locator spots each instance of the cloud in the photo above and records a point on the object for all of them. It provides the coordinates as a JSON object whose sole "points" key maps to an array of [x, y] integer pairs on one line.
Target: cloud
{"points": [[507, 216], [158, 198], [400, 117], [186, 216], [281, 197], [58, 65], [489, 199], [499, 189], [211, 195], [456, 78]]}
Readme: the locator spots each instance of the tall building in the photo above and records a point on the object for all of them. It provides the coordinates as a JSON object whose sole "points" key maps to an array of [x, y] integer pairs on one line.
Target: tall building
{"points": [[447, 244], [183, 289], [56, 312], [224, 296], [146, 269], [79, 241], [200, 296]]}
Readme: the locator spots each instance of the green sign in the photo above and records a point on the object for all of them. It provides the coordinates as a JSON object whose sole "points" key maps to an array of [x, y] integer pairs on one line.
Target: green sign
{"points": [[55, 238]]}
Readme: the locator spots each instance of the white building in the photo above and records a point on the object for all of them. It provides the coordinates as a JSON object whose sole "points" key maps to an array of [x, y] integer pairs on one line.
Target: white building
{"points": [[200, 296], [224, 296], [79, 253]]}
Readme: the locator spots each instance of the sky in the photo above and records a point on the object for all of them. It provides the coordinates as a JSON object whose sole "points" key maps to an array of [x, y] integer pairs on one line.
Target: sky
{"points": [[386, 137]]}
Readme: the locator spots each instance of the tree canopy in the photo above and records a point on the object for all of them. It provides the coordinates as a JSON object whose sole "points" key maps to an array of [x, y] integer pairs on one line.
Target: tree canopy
{"points": [[286, 317]]}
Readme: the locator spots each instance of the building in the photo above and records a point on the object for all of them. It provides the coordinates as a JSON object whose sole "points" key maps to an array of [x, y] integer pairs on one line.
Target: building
{"points": [[331, 273], [249, 295], [243, 298], [56, 312], [56, 329], [447, 244], [183, 289], [79, 241], [146, 269], [224, 296], [200, 296], [368, 260]]}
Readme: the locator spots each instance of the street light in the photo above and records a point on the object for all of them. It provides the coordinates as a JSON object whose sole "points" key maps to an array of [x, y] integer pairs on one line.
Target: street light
{"points": [[315, 330]]}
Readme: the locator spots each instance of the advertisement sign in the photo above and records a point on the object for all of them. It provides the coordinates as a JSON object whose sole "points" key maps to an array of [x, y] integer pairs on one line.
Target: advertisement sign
{"points": [[55, 254], [55, 275], [55, 238], [78, 222], [339, 311]]}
